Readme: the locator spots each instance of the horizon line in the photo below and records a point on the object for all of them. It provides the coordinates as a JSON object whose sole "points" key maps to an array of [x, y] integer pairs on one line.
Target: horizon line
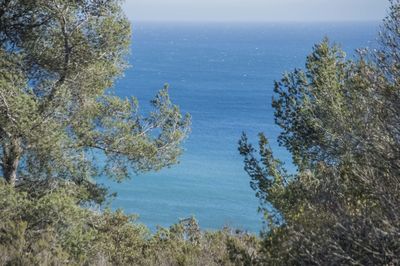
{"points": [[251, 21]]}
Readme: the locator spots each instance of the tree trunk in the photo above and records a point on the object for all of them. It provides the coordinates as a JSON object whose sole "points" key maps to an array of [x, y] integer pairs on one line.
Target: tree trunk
{"points": [[11, 158]]}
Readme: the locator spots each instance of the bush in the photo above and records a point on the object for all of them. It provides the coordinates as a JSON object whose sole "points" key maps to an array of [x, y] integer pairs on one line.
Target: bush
{"points": [[56, 228]]}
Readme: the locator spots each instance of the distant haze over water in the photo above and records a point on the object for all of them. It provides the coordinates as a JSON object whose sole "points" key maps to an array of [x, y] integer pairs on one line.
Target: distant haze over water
{"points": [[222, 74], [256, 10]]}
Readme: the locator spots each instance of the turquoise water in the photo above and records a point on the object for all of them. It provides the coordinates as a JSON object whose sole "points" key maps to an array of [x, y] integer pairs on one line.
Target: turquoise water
{"points": [[222, 74]]}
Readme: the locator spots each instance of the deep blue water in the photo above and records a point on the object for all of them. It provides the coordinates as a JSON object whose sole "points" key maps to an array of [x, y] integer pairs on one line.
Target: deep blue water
{"points": [[222, 74]]}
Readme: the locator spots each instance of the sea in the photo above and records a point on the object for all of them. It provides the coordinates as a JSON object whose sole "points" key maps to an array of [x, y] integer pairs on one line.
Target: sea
{"points": [[223, 75]]}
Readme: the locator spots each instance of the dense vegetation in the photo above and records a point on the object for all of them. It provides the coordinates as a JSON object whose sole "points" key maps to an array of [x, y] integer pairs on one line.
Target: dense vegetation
{"points": [[340, 120], [59, 122], [52, 228]]}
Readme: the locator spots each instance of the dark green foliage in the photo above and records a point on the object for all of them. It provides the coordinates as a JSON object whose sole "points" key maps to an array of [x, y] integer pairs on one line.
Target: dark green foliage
{"points": [[341, 122]]}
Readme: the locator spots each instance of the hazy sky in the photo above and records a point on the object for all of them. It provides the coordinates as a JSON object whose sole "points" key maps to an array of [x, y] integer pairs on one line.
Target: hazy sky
{"points": [[255, 10]]}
